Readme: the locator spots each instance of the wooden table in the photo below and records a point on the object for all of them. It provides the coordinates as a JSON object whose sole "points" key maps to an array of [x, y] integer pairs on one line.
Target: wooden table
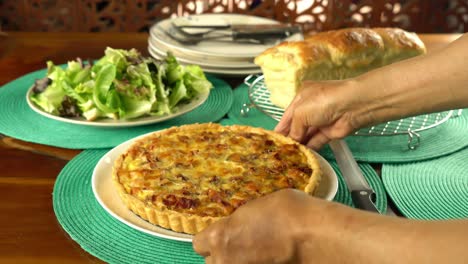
{"points": [[29, 231]]}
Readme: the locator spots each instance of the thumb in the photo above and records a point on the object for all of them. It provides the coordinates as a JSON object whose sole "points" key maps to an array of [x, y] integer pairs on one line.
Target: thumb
{"points": [[209, 240]]}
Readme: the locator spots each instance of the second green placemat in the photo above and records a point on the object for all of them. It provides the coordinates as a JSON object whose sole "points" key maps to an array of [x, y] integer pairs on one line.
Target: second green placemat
{"points": [[17, 120], [442, 140], [433, 189]]}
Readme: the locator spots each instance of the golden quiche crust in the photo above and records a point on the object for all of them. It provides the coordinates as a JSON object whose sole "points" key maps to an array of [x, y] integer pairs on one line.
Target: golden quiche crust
{"points": [[185, 178]]}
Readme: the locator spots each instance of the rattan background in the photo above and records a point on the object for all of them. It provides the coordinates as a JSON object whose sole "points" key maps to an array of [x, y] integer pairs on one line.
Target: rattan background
{"points": [[315, 15]]}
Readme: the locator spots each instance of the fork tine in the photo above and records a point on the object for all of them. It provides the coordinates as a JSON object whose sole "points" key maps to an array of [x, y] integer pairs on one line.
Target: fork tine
{"points": [[183, 32]]}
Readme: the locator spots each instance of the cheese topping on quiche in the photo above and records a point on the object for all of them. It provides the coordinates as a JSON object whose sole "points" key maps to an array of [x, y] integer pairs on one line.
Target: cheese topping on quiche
{"points": [[209, 170]]}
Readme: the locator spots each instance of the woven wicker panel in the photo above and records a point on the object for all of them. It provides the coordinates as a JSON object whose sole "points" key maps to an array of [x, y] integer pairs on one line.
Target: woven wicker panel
{"points": [[102, 15], [7, 10], [449, 16], [317, 15], [404, 14]]}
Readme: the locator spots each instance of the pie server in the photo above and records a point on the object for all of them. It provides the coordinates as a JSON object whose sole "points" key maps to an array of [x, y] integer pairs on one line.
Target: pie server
{"points": [[361, 193]]}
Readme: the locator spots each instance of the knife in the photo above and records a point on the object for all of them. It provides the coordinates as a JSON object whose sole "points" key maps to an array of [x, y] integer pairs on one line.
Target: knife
{"points": [[361, 193]]}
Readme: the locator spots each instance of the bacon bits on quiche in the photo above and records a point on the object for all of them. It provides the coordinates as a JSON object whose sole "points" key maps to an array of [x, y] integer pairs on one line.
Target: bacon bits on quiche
{"points": [[185, 178]]}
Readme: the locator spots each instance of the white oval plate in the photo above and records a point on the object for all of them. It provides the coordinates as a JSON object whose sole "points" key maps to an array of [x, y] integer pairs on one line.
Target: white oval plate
{"points": [[226, 50], [202, 61], [108, 122], [217, 70], [107, 196]]}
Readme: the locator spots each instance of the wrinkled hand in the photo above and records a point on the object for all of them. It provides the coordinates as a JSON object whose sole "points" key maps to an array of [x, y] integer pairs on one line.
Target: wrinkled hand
{"points": [[320, 112], [267, 230]]}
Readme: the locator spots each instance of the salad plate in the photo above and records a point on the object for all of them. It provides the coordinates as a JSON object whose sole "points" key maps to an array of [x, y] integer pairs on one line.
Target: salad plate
{"points": [[108, 122], [107, 196], [121, 89]]}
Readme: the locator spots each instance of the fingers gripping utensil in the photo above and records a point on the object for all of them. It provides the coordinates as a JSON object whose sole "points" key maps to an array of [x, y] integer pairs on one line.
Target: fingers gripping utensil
{"points": [[361, 193]]}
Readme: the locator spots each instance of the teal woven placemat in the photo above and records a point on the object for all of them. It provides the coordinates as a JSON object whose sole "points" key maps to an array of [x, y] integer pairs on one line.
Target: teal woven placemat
{"points": [[434, 189], [442, 140], [98, 233], [435, 142], [17, 120]]}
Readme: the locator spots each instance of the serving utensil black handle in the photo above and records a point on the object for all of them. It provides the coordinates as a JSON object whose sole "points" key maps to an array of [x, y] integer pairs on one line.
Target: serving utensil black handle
{"points": [[260, 32], [364, 199], [260, 36]]}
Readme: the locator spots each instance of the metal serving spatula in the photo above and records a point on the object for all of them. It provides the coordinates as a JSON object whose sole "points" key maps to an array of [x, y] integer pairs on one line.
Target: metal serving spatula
{"points": [[361, 193]]}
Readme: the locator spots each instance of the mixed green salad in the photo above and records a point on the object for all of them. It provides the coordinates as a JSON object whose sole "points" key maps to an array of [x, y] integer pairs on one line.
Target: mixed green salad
{"points": [[121, 85]]}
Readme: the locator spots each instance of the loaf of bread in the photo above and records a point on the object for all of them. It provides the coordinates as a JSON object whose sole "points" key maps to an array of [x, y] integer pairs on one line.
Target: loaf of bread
{"points": [[333, 55]]}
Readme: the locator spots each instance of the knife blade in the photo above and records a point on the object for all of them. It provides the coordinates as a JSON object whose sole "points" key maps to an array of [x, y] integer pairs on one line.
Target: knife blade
{"points": [[283, 28], [361, 193]]}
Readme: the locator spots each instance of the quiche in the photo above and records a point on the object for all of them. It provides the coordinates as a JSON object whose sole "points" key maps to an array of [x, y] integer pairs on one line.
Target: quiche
{"points": [[185, 178]]}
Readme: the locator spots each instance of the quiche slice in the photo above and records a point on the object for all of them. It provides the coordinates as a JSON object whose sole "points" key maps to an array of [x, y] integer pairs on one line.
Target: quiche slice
{"points": [[185, 178]]}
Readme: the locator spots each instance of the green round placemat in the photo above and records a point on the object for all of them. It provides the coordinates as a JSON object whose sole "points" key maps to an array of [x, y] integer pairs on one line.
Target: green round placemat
{"points": [[435, 142], [433, 189], [17, 120], [101, 235], [441, 140], [343, 195]]}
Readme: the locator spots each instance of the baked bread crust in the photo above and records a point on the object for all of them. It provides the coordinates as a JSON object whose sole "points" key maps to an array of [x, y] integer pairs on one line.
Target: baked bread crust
{"points": [[333, 55], [183, 219]]}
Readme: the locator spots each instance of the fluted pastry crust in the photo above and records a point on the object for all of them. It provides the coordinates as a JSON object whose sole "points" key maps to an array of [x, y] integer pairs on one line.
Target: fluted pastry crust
{"points": [[185, 178]]}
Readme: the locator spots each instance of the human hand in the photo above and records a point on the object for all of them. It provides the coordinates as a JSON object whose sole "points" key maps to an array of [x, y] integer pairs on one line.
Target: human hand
{"points": [[290, 226], [323, 111], [271, 229]]}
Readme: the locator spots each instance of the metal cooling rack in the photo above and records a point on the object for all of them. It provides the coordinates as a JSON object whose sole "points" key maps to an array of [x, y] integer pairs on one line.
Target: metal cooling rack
{"points": [[259, 97]]}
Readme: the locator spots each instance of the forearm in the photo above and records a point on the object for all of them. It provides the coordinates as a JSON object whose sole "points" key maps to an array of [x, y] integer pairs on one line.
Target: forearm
{"points": [[353, 236], [430, 83], [411, 241]]}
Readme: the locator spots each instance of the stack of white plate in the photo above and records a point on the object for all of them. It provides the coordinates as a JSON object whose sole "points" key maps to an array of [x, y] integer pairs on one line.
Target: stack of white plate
{"points": [[221, 56]]}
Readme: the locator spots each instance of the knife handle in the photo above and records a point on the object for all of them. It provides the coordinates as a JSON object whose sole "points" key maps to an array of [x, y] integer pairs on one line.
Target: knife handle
{"points": [[260, 36], [267, 27], [365, 200], [262, 32]]}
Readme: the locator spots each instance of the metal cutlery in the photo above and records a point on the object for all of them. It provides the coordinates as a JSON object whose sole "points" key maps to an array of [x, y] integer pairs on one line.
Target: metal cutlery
{"points": [[245, 27], [258, 34], [361, 193]]}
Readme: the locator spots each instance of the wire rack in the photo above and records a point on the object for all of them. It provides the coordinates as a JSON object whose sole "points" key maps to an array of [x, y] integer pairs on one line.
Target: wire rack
{"points": [[259, 97]]}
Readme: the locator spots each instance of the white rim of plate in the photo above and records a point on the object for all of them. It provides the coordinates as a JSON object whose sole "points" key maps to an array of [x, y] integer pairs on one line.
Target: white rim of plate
{"points": [[202, 61], [102, 177], [108, 122], [220, 71], [156, 31]]}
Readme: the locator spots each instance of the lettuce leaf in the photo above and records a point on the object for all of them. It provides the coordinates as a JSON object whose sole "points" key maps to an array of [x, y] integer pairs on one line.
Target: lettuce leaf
{"points": [[121, 85]]}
